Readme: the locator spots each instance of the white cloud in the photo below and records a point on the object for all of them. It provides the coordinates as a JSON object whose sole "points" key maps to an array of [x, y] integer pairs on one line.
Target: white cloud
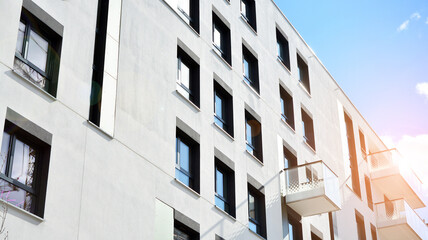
{"points": [[403, 26], [415, 15], [422, 89]]}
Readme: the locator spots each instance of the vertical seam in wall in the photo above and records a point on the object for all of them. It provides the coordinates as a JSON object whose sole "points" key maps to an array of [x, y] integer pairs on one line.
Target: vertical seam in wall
{"points": [[117, 67], [83, 176]]}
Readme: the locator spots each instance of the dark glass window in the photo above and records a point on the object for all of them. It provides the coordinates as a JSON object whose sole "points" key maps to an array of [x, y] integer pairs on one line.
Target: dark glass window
{"points": [[221, 39], [283, 50], [223, 109], [189, 10], [37, 52], [256, 211], [224, 188], [294, 225], [24, 162], [248, 12], [187, 77], [308, 129], [250, 69], [187, 161], [352, 156], [287, 109], [183, 232], [253, 136], [303, 73], [369, 192], [361, 233], [363, 145], [373, 232]]}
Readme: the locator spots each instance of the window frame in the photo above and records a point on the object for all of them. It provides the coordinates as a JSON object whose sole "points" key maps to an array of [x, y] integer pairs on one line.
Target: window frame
{"points": [[227, 108], [253, 69], [191, 18], [256, 144], [228, 187], [308, 129], [224, 50], [283, 49], [303, 73], [194, 76], [249, 15], [194, 160], [259, 211], [287, 107]]}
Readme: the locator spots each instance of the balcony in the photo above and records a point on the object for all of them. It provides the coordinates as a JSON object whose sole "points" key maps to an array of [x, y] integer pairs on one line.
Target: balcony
{"points": [[397, 220], [311, 189], [394, 178]]}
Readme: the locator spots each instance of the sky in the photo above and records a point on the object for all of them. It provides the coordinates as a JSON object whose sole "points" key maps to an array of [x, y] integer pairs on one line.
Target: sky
{"points": [[377, 50]]}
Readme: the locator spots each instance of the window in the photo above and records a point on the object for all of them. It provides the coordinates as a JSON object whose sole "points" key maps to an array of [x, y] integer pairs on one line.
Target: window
{"points": [[332, 225], [253, 136], [224, 188], [303, 73], [360, 226], [294, 225], [308, 129], [373, 232], [221, 39], [352, 156], [187, 77], [248, 12], [183, 232], [363, 145], [290, 160], [250, 69], [37, 53], [98, 62], [189, 12], [283, 51], [287, 110], [187, 161], [369, 192], [314, 236], [223, 109], [256, 211], [24, 168]]}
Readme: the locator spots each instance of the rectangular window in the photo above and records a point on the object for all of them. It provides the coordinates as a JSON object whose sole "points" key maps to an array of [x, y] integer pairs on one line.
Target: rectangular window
{"points": [[189, 12], [224, 188], [361, 233], [187, 76], [290, 160], [283, 50], [183, 232], [256, 211], [221, 39], [250, 68], [187, 161], [24, 168], [373, 232], [331, 224], [303, 73], [223, 109], [363, 145], [369, 192], [352, 156], [253, 136], [308, 129], [287, 110], [294, 225], [37, 53], [248, 12]]}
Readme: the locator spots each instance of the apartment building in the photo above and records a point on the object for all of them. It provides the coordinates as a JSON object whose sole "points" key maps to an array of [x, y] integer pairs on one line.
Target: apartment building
{"points": [[185, 120]]}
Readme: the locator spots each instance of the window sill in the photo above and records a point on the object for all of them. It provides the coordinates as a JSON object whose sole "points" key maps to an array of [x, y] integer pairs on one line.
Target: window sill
{"points": [[225, 213], [283, 65], [97, 128], [188, 101], [309, 146], [254, 157], [181, 18], [9, 205], [256, 234], [187, 187], [288, 125], [305, 90], [223, 131], [222, 59], [35, 86], [252, 89], [248, 25]]}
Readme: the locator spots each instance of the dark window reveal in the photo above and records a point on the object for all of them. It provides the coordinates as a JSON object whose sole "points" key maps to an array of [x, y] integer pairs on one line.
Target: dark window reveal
{"points": [[253, 136], [221, 39], [287, 110], [187, 161], [283, 50], [250, 69], [224, 188], [256, 211], [187, 76], [303, 73], [223, 109], [308, 129], [248, 12]]}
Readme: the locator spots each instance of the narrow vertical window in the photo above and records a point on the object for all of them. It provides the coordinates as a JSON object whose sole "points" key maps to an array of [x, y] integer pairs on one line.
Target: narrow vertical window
{"points": [[308, 129], [253, 136], [363, 145], [373, 232], [352, 156], [287, 109], [248, 12], [294, 225], [303, 73], [361, 233], [256, 211], [189, 12], [187, 77], [250, 69], [187, 161], [224, 188], [223, 109], [283, 49], [221, 39], [369, 192]]}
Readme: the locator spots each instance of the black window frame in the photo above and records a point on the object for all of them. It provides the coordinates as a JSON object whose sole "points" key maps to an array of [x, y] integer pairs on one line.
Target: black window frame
{"points": [[309, 131], [227, 108], [294, 219], [283, 49], [38, 190], [253, 65], [225, 50], [193, 235], [256, 139], [250, 14], [287, 112], [54, 40], [228, 187], [193, 16], [194, 160], [194, 75], [303, 71], [260, 210]]}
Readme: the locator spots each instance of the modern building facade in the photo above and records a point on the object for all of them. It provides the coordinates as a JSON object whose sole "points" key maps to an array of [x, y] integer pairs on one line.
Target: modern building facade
{"points": [[185, 119]]}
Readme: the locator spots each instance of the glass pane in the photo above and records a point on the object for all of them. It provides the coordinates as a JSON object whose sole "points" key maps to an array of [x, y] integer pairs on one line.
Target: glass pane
{"points": [[21, 33], [184, 157], [185, 75], [299, 74], [246, 69], [185, 6], [218, 106], [24, 159], [220, 203], [218, 122], [217, 38], [252, 226], [279, 49], [251, 207], [17, 196], [243, 9], [182, 177], [37, 52], [179, 235], [282, 106], [290, 231], [4, 152], [219, 183], [248, 135]]}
